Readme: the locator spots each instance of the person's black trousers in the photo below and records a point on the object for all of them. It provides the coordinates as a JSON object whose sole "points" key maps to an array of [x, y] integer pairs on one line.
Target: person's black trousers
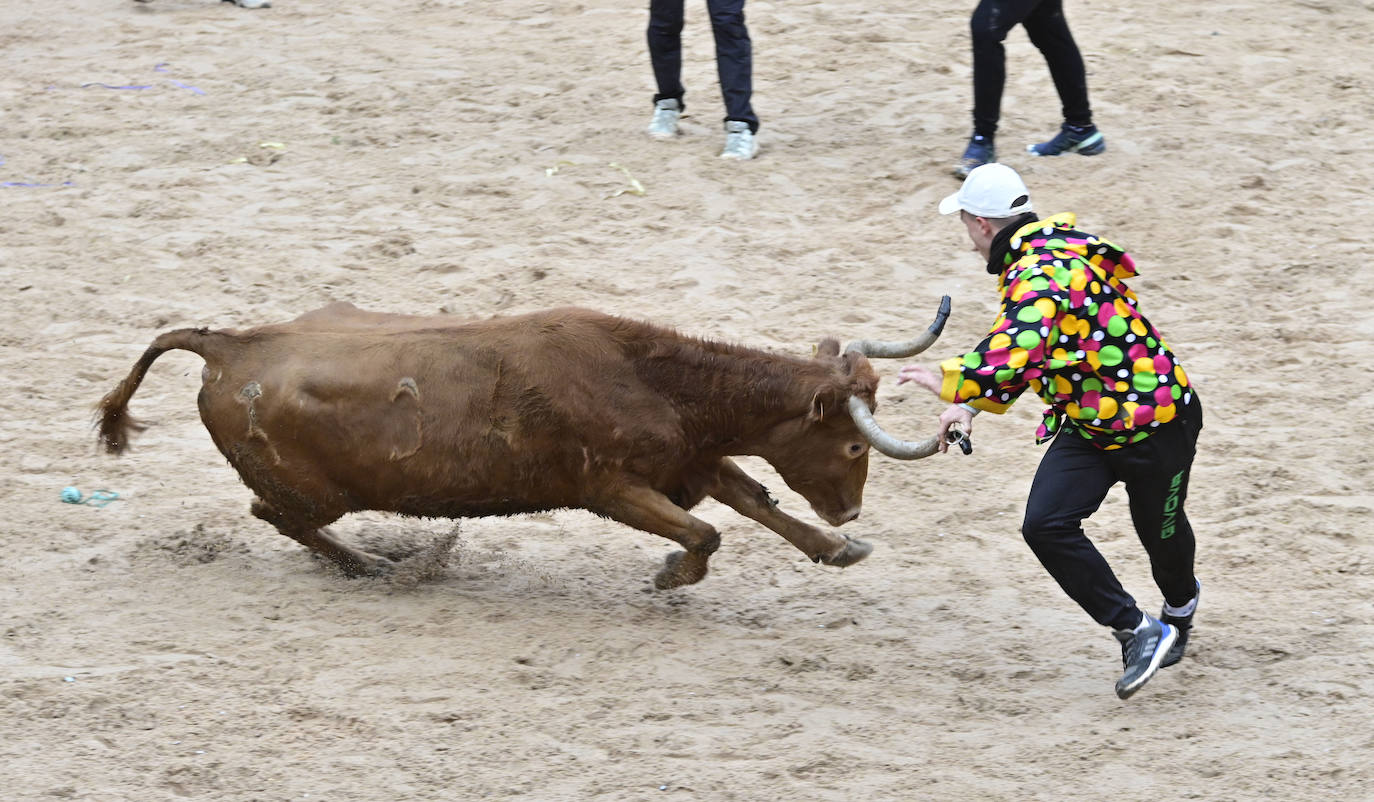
{"points": [[1049, 31], [734, 54], [1070, 484]]}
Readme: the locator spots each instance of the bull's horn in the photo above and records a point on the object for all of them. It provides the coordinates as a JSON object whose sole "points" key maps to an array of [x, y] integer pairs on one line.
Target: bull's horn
{"points": [[895, 350], [884, 442]]}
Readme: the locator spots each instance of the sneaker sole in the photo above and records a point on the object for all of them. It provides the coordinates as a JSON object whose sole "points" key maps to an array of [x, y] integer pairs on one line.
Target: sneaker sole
{"points": [[1091, 146], [1161, 651], [732, 157], [962, 170]]}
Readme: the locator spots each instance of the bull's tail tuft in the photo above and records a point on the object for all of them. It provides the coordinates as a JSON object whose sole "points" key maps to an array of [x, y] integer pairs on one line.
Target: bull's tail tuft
{"points": [[116, 425]]}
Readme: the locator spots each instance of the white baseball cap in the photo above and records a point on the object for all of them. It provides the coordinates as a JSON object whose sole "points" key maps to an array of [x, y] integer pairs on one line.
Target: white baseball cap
{"points": [[990, 190]]}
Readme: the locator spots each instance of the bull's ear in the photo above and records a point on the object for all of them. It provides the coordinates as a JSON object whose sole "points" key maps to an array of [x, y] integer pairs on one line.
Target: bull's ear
{"points": [[826, 401], [818, 407], [828, 347]]}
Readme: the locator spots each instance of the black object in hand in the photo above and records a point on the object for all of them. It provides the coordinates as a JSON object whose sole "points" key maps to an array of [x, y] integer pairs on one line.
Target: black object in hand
{"points": [[956, 435]]}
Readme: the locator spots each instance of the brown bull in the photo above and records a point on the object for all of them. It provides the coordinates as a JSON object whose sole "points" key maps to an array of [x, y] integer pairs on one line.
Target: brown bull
{"points": [[342, 410]]}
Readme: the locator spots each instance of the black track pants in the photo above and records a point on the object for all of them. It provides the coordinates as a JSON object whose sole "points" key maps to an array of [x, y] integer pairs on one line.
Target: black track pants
{"points": [[734, 54], [1049, 31], [1070, 484]]}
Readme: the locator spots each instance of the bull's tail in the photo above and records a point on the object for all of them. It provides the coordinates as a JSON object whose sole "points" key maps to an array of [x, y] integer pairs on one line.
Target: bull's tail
{"points": [[112, 413]]}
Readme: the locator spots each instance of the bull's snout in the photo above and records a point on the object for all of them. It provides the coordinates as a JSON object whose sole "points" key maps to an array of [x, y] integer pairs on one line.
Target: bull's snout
{"points": [[842, 518]]}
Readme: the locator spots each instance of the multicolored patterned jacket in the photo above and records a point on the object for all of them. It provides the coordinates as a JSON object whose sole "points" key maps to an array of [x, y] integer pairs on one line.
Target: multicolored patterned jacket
{"points": [[1069, 329]]}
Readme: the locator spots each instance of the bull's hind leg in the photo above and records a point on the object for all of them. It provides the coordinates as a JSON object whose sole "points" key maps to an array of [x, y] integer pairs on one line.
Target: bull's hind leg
{"points": [[746, 496], [651, 511], [353, 562]]}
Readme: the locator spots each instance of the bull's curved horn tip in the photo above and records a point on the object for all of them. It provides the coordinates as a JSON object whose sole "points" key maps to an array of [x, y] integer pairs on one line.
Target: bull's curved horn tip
{"points": [[896, 350]]}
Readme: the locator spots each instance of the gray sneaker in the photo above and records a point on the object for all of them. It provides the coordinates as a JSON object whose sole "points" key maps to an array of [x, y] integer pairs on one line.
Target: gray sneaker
{"points": [[664, 123], [250, 3], [1142, 650], [740, 142]]}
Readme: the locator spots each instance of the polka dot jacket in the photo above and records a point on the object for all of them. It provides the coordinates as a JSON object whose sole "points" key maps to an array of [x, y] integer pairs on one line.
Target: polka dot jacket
{"points": [[1069, 329]]}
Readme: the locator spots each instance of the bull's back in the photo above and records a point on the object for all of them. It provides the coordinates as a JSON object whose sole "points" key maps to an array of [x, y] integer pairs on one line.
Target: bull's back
{"points": [[492, 417]]}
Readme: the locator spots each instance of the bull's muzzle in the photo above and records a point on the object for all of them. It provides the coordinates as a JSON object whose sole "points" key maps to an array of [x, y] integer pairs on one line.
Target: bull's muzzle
{"points": [[838, 518]]}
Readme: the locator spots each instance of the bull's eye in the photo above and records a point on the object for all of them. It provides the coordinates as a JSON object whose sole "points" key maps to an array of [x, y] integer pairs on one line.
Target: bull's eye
{"points": [[855, 449]]}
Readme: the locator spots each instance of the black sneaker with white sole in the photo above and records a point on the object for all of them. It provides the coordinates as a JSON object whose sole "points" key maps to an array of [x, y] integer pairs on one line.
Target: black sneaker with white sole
{"points": [[1085, 141], [979, 152], [1143, 649], [1184, 625]]}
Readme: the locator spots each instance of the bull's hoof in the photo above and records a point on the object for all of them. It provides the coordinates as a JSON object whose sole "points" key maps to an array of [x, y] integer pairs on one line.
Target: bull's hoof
{"points": [[680, 568], [853, 551], [364, 565]]}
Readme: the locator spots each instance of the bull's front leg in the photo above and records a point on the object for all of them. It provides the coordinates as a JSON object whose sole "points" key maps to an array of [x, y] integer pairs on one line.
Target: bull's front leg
{"points": [[311, 534], [651, 511], [746, 496]]}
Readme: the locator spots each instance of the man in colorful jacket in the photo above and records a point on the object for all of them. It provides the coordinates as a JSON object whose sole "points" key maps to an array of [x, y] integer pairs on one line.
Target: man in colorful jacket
{"points": [[1121, 409]]}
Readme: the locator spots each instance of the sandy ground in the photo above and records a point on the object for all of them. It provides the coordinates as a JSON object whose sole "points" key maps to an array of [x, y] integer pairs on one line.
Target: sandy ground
{"points": [[398, 155]]}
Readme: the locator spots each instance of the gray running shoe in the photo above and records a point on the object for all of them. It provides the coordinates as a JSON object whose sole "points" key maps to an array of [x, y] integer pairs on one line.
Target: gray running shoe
{"points": [[1184, 625], [664, 123], [1142, 650], [740, 142]]}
